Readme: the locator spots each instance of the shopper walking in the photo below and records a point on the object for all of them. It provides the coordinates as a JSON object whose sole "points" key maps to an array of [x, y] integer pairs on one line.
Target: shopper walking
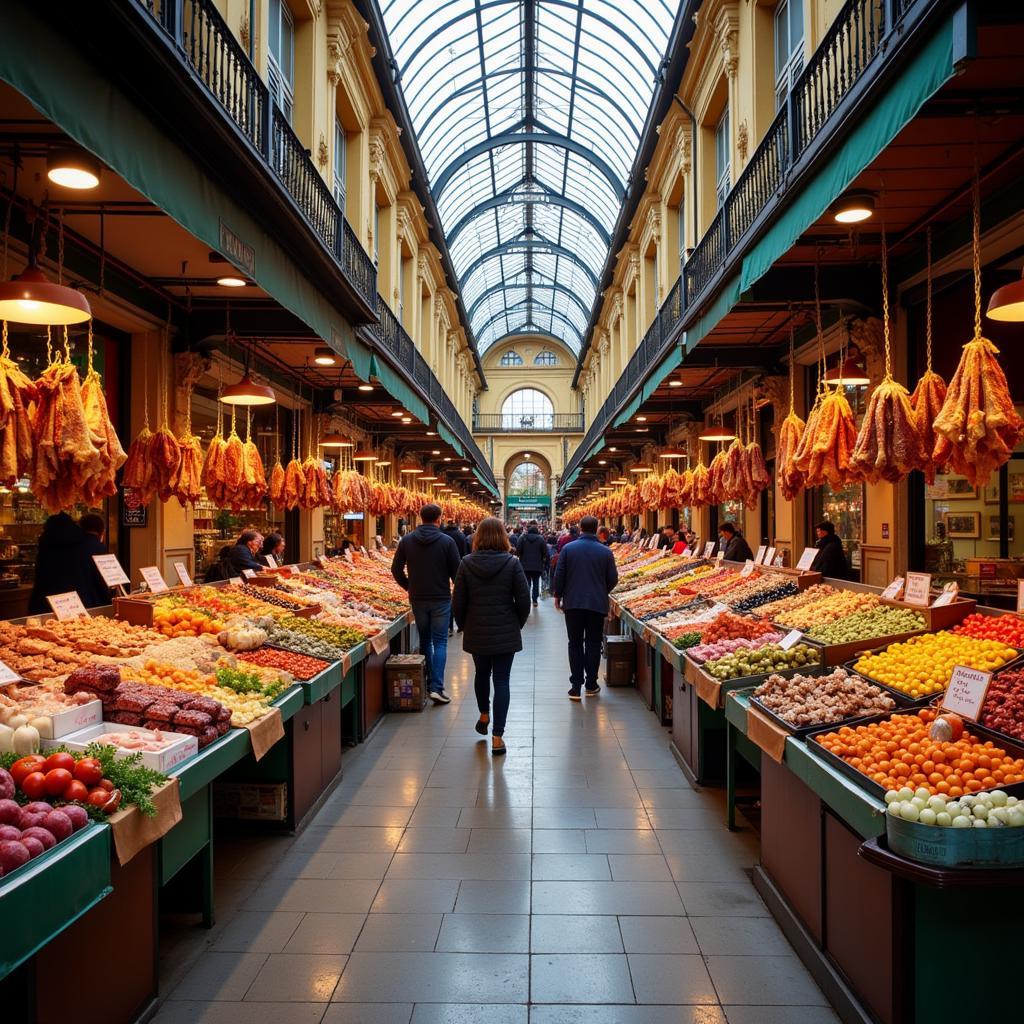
{"points": [[584, 577], [451, 529], [491, 602], [532, 552], [425, 562]]}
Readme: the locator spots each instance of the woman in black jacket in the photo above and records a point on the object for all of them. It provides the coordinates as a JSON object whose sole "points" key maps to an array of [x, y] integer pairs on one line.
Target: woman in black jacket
{"points": [[491, 602], [830, 559]]}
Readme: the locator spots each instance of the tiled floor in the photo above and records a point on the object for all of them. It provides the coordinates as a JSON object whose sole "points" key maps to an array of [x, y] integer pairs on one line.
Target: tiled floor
{"points": [[579, 880]]}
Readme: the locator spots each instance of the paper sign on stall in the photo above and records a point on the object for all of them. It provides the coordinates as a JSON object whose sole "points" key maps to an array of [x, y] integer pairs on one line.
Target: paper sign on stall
{"points": [[769, 557], [8, 675], [748, 567], [893, 591], [347, 554], [806, 558], [790, 639], [67, 606], [249, 573], [1020, 597], [183, 577], [708, 548], [918, 588], [948, 595], [155, 582], [111, 571], [719, 558], [235, 581], [759, 554], [777, 562], [271, 561], [966, 692]]}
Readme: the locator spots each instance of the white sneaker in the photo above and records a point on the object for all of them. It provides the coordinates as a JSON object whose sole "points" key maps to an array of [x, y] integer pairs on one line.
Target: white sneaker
{"points": [[440, 697]]}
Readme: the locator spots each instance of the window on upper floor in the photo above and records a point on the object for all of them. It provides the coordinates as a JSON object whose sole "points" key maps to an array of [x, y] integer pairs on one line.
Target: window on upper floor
{"points": [[527, 409], [376, 234], [511, 358], [281, 57], [722, 176], [340, 157], [789, 47], [681, 222], [545, 358]]}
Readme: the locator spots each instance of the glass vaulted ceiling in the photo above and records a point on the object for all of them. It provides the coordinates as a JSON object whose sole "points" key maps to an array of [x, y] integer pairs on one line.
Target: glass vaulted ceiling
{"points": [[528, 115]]}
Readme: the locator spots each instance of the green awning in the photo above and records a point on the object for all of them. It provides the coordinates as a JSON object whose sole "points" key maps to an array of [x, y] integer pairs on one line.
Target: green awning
{"points": [[447, 435], [710, 318], [490, 487], [597, 447], [663, 369], [895, 107], [399, 390], [570, 480]]}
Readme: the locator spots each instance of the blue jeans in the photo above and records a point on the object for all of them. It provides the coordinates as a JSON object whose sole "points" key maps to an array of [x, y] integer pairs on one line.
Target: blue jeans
{"points": [[533, 579], [432, 625], [498, 667]]}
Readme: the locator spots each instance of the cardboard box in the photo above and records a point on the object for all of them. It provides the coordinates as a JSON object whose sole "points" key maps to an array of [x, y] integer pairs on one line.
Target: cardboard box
{"points": [[164, 761], [620, 653], [405, 680], [63, 723], [251, 801]]}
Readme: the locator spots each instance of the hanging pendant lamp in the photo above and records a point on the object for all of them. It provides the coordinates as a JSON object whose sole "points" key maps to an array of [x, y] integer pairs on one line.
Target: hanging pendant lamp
{"points": [[714, 431], [336, 440], [1007, 303], [31, 298], [248, 392], [671, 452], [364, 455]]}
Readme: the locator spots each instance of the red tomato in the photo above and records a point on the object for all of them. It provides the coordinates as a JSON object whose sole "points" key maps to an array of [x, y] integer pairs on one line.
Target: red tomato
{"points": [[57, 781], [107, 785], [25, 766], [98, 796], [76, 791], [34, 785], [88, 771], [59, 760]]}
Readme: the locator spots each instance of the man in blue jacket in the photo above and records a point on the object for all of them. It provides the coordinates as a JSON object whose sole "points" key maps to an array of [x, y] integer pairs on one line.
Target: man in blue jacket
{"points": [[432, 561], [584, 577]]}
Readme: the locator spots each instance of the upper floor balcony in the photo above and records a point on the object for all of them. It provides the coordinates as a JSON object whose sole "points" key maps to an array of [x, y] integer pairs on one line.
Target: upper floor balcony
{"points": [[525, 423]]}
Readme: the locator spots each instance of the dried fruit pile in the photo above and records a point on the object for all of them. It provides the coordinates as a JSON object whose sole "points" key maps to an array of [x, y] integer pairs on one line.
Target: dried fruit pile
{"points": [[822, 700]]}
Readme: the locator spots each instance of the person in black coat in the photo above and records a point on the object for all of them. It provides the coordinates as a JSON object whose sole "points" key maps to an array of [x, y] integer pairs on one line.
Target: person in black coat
{"points": [[491, 603], [733, 543], [830, 559], [64, 562], [532, 552], [584, 577], [244, 554], [451, 529]]}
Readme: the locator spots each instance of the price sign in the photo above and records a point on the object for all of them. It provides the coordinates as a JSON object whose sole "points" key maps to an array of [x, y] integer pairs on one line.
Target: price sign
{"points": [[966, 692], [67, 606], [717, 608], [1020, 597], [8, 675], [235, 581], [759, 554], [347, 554], [708, 548], [893, 591], [917, 589], [183, 576], [249, 573], [777, 562], [155, 582], [362, 549], [807, 558], [790, 639], [769, 557], [719, 558], [271, 561], [948, 595], [111, 571], [748, 567]]}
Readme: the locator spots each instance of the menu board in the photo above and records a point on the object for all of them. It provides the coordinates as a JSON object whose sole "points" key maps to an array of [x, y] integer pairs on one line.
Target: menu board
{"points": [[67, 606], [111, 571], [807, 558], [155, 582], [918, 588], [183, 576]]}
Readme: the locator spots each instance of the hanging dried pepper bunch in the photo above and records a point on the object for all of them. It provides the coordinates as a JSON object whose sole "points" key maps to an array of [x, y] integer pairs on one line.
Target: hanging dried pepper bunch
{"points": [[17, 393], [791, 430]]}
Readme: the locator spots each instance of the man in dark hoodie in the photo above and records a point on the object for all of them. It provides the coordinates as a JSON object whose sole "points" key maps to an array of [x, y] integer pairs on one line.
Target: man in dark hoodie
{"points": [[532, 552], [64, 563], [426, 562], [451, 529]]}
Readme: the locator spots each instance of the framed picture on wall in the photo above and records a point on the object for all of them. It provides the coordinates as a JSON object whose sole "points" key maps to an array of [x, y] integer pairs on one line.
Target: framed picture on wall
{"points": [[963, 525], [993, 528], [951, 488], [1015, 487], [990, 492]]}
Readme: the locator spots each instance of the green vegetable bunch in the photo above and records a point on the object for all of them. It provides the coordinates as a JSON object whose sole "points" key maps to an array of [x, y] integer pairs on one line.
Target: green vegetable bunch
{"points": [[686, 640], [129, 775], [246, 682]]}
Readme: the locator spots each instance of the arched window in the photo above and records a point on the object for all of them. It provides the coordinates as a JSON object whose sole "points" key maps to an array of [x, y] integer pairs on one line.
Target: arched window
{"points": [[545, 358], [527, 409], [511, 358], [527, 479]]}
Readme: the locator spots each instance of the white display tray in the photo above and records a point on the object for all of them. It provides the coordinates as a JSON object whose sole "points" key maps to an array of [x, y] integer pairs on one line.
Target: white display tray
{"points": [[63, 723], [162, 761]]}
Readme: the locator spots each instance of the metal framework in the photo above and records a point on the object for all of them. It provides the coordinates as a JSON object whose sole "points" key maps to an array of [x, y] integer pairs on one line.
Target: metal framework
{"points": [[528, 115]]}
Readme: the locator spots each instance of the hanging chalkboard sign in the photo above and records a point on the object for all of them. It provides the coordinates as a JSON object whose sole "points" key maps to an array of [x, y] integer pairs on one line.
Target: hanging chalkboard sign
{"points": [[133, 511]]}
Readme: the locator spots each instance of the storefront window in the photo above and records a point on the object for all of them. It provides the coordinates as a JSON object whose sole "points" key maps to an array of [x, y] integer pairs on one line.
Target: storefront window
{"points": [[844, 508], [731, 512]]}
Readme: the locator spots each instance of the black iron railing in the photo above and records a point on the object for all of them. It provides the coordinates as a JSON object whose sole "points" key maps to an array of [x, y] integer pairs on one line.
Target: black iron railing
{"points": [[209, 47], [846, 54], [392, 337], [545, 422]]}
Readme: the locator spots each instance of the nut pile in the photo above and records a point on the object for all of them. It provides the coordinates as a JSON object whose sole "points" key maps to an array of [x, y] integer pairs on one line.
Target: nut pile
{"points": [[822, 700]]}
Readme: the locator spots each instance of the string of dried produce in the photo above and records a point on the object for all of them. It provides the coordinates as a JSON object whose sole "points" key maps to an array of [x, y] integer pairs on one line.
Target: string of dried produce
{"points": [[804, 450], [701, 489], [930, 392], [138, 468], [791, 430], [888, 446], [755, 470], [187, 485], [164, 449], [17, 393], [977, 427], [294, 479], [213, 465], [316, 490]]}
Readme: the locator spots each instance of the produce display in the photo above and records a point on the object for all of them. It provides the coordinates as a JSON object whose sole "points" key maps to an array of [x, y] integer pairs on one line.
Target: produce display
{"points": [[769, 658], [923, 664], [1008, 629], [299, 666], [317, 639], [885, 620], [710, 651], [826, 608], [763, 595], [986, 810], [1003, 709], [822, 700], [900, 751]]}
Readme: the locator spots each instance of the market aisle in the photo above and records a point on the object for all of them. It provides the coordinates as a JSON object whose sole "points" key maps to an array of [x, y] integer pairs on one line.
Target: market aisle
{"points": [[565, 884]]}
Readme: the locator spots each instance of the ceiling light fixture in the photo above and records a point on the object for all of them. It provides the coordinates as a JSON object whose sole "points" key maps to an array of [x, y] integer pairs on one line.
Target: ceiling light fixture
{"points": [[382, 462], [364, 455], [407, 419], [248, 392], [853, 207], [436, 451], [74, 168], [234, 281], [410, 468], [671, 452], [31, 298], [336, 440], [675, 383], [398, 415], [641, 419], [324, 356], [365, 387], [851, 372], [714, 431], [1007, 303], [641, 467]]}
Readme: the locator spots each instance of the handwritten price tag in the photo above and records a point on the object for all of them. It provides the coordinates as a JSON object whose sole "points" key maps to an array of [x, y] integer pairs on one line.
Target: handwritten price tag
{"points": [[769, 556], [748, 567], [918, 588], [155, 582], [271, 561], [183, 576], [791, 638], [348, 554], [249, 573], [708, 548], [759, 554], [966, 692], [948, 595], [807, 558], [893, 591], [8, 675], [67, 606], [111, 571]]}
